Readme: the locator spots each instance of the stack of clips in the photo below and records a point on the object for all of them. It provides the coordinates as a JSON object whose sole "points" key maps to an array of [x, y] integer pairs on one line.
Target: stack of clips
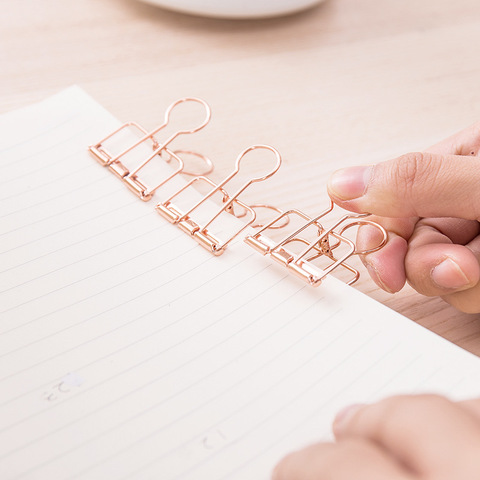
{"points": [[311, 250]]}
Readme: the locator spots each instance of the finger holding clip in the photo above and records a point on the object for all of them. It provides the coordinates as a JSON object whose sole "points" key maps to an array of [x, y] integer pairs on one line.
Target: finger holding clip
{"points": [[361, 223]]}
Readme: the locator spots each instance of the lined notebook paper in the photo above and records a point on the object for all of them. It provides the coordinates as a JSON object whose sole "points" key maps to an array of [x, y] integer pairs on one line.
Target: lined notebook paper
{"points": [[128, 351]]}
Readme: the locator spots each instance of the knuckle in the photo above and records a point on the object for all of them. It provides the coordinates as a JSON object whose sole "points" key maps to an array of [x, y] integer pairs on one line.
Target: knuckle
{"points": [[414, 169], [415, 177]]}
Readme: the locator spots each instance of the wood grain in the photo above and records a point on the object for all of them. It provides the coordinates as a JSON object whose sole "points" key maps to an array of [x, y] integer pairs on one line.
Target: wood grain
{"points": [[345, 83]]}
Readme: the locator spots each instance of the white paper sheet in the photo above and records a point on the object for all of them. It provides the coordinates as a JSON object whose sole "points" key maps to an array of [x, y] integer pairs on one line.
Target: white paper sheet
{"points": [[128, 351]]}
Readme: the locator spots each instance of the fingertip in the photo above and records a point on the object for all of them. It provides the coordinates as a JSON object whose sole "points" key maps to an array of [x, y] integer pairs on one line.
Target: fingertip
{"points": [[349, 183], [346, 187], [450, 275], [343, 418], [370, 235], [442, 269], [387, 266]]}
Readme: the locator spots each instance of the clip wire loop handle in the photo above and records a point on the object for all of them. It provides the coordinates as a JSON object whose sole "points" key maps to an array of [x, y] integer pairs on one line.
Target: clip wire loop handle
{"points": [[200, 232], [113, 162], [323, 245]]}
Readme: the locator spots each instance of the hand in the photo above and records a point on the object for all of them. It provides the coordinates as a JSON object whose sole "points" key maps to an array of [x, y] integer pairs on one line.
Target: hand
{"points": [[430, 205], [422, 437]]}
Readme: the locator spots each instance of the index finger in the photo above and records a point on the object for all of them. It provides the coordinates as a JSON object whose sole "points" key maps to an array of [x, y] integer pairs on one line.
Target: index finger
{"points": [[386, 266]]}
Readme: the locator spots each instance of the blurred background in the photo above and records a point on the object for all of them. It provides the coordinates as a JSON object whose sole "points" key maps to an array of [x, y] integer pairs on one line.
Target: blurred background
{"points": [[342, 83]]}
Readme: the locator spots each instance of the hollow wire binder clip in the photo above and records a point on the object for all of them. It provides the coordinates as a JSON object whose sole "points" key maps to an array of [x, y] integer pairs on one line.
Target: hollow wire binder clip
{"points": [[323, 245], [114, 161], [200, 231]]}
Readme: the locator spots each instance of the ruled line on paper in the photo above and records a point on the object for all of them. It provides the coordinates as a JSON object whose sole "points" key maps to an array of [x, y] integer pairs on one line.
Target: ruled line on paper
{"points": [[456, 384], [232, 387], [38, 186], [297, 427], [145, 315], [276, 412], [130, 259], [190, 314], [97, 234], [158, 287], [198, 343], [392, 379], [45, 166], [43, 133], [108, 212], [425, 380], [91, 296], [67, 285], [42, 174], [67, 228], [49, 272], [316, 414], [144, 293], [192, 359], [82, 367], [136, 390], [67, 210]]}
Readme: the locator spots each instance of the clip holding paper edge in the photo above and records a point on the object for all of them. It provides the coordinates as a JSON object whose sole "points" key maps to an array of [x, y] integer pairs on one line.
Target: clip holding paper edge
{"points": [[301, 264], [200, 232], [130, 178]]}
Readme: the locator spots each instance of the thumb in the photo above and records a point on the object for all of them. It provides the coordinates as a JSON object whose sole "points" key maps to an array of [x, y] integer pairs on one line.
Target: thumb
{"points": [[413, 185]]}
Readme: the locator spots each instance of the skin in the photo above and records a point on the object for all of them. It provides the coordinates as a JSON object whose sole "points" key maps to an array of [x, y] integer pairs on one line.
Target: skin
{"points": [[423, 437], [429, 202]]}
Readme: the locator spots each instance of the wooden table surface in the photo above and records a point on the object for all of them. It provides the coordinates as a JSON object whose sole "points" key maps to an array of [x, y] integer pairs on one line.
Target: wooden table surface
{"points": [[345, 83]]}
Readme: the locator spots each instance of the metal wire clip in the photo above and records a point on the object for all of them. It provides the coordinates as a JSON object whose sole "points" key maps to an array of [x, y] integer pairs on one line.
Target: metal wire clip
{"points": [[130, 178], [322, 246], [200, 232]]}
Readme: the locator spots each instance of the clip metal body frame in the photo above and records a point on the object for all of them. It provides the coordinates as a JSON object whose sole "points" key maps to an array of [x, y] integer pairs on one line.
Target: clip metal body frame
{"points": [[302, 264], [130, 178], [323, 245], [200, 232]]}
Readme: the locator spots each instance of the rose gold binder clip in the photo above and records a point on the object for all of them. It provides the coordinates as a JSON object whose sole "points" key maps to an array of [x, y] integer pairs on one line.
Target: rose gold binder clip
{"points": [[130, 178], [324, 245], [200, 231]]}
